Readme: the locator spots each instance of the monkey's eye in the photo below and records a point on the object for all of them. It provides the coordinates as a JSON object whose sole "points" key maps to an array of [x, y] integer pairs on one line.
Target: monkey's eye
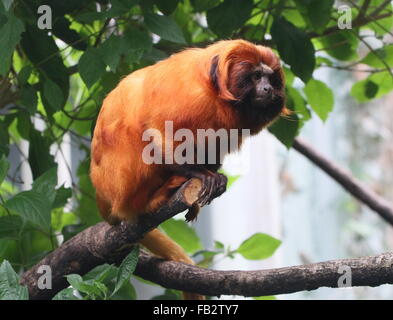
{"points": [[257, 75], [275, 80]]}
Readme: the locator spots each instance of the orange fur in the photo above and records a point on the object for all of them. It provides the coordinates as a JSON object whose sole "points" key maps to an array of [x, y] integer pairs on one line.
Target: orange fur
{"points": [[178, 89]]}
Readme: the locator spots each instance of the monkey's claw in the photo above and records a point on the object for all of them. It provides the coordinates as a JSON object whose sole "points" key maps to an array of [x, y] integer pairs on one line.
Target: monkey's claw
{"points": [[213, 185]]}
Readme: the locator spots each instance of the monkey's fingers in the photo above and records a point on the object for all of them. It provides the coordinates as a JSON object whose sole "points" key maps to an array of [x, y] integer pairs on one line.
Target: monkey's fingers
{"points": [[192, 213], [207, 190], [221, 185], [213, 186]]}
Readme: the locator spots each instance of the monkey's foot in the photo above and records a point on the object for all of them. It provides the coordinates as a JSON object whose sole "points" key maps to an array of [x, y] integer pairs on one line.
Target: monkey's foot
{"points": [[214, 184]]}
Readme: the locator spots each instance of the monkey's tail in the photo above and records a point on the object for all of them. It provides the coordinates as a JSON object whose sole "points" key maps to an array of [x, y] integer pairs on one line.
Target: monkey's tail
{"points": [[161, 245]]}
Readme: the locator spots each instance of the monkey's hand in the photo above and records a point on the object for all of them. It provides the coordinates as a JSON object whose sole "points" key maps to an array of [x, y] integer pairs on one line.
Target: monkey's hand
{"points": [[213, 185]]}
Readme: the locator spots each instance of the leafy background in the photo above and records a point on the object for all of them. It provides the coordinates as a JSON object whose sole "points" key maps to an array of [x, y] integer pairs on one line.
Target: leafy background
{"points": [[52, 83]]}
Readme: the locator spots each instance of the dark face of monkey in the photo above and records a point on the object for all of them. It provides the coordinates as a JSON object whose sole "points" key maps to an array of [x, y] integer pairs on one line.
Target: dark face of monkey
{"points": [[259, 90]]}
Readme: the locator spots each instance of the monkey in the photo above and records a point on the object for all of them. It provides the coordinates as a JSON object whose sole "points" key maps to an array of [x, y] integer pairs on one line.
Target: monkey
{"points": [[230, 84]]}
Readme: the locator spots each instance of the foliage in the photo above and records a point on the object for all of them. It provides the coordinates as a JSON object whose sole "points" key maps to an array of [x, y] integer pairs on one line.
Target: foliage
{"points": [[52, 83]]}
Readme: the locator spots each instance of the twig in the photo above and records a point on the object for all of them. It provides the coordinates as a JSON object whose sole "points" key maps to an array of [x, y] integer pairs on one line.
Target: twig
{"points": [[347, 181]]}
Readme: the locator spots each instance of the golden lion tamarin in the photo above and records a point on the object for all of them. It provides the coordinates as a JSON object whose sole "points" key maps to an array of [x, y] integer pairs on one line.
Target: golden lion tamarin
{"points": [[231, 84]]}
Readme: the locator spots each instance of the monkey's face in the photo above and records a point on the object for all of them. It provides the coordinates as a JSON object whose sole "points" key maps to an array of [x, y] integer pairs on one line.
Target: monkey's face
{"points": [[250, 79], [258, 87]]}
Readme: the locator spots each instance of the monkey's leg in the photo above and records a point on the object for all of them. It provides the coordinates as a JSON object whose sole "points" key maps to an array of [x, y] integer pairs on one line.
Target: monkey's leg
{"points": [[161, 245], [105, 210], [164, 193]]}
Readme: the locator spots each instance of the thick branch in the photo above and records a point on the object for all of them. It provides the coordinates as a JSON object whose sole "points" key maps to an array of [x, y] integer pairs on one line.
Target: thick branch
{"points": [[367, 271], [103, 243], [347, 181]]}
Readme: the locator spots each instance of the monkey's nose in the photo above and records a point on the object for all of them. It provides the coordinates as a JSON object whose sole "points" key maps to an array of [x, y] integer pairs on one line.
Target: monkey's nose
{"points": [[267, 89]]}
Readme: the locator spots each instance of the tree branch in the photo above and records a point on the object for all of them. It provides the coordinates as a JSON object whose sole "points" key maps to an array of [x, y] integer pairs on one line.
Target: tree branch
{"points": [[347, 181], [367, 271], [103, 243]]}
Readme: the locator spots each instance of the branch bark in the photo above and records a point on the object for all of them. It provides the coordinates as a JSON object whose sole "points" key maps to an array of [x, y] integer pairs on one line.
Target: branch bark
{"points": [[103, 243], [347, 181], [367, 271]]}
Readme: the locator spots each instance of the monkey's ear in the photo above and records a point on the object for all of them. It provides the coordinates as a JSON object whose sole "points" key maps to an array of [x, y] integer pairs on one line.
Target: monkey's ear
{"points": [[214, 72], [219, 77]]}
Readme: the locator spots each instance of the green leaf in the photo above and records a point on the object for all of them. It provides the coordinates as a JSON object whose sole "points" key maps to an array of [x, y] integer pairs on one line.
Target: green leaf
{"points": [[23, 124], [165, 27], [101, 273], [4, 138], [65, 294], [40, 159], [218, 245], [10, 226], [294, 17], [126, 269], [204, 5], [74, 280], [91, 288], [166, 6], [28, 98], [373, 87], [294, 47], [229, 16], [286, 129], [9, 37], [232, 179], [320, 97], [136, 40], [62, 196], [4, 166], [169, 294], [10, 289], [46, 183], [53, 94], [182, 234], [61, 29], [374, 59], [384, 81], [364, 90], [43, 52], [297, 103], [381, 26], [315, 13], [111, 50], [77, 282], [91, 67], [265, 298], [24, 74], [259, 246], [341, 45], [33, 207], [126, 292], [119, 7]]}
